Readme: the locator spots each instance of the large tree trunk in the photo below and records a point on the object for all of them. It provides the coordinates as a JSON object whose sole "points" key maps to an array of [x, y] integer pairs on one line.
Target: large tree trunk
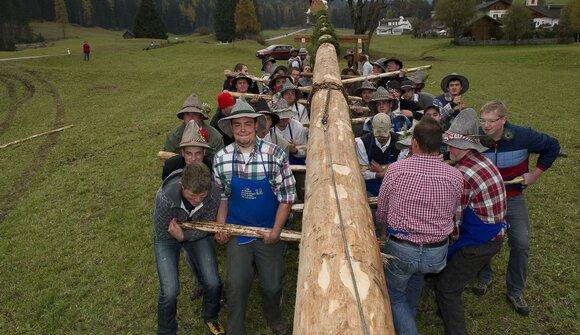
{"points": [[341, 285]]}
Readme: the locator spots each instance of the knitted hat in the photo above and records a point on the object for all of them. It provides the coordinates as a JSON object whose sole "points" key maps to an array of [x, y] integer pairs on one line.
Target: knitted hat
{"points": [[192, 136], [225, 100], [464, 132], [241, 109], [192, 105], [381, 125]]}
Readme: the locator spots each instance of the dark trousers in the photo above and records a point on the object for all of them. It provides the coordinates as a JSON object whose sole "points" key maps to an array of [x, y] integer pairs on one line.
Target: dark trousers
{"points": [[462, 267]]}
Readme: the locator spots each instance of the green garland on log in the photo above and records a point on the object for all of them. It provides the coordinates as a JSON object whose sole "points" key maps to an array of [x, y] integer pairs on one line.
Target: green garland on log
{"points": [[324, 27]]}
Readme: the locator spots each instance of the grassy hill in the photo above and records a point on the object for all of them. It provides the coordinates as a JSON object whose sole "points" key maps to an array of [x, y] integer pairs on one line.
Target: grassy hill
{"points": [[75, 207]]}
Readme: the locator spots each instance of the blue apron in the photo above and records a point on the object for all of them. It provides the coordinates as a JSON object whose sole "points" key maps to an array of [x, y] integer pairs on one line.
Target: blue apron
{"points": [[474, 231], [251, 203], [293, 159], [374, 185]]}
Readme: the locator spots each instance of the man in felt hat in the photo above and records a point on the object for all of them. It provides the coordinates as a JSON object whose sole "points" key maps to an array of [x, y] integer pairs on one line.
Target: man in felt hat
{"points": [[481, 219], [187, 194], [450, 104], [365, 65], [423, 98], [349, 56], [386, 102], [192, 149], [192, 109], [277, 82], [258, 190], [391, 64], [509, 149], [409, 107], [266, 67], [225, 104], [416, 204], [268, 134], [290, 93], [229, 83], [292, 131], [294, 60], [377, 150]]}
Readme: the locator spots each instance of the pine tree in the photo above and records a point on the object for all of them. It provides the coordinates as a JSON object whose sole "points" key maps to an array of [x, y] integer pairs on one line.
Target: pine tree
{"points": [[225, 26], [87, 7], [148, 23], [517, 22], [61, 15], [246, 18]]}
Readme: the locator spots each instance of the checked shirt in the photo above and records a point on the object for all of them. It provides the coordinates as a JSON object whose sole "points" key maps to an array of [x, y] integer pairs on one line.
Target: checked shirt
{"points": [[273, 158], [420, 195], [484, 191]]}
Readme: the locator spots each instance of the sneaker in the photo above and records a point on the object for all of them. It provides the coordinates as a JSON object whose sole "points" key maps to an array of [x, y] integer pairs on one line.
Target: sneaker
{"points": [[195, 293], [215, 327], [481, 287], [520, 304]]}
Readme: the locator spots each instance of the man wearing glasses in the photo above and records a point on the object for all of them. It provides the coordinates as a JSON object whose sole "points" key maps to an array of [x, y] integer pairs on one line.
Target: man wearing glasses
{"points": [[509, 149]]}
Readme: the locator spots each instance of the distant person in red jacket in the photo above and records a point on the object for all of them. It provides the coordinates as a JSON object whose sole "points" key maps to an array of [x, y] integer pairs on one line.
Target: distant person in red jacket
{"points": [[86, 51]]}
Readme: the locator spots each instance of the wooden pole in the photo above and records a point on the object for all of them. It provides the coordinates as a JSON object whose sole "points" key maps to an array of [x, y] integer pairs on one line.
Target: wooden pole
{"points": [[386, 74], [341, 286], [34, 136]]}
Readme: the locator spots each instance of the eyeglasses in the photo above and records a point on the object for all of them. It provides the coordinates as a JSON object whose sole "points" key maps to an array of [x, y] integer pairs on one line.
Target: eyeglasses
{"points": [[482, 121]]}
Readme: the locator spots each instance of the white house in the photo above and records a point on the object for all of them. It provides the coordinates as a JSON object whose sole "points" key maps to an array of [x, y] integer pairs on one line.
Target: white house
{"points": [[394, 26]]}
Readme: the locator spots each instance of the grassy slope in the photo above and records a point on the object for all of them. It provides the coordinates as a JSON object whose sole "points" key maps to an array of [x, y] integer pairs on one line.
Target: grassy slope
{"points": [[76, 249]]}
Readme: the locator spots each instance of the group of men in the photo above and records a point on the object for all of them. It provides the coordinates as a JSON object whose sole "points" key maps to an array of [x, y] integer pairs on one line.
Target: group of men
{"points": [[436, 218]]}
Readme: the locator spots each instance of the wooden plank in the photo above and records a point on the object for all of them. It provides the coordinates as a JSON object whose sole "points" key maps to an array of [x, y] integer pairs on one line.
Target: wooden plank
{"points": [[341, 286]]}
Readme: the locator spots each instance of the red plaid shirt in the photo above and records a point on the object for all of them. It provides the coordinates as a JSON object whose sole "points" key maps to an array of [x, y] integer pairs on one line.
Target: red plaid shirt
{"points": [[420, 195], [484, 191]]}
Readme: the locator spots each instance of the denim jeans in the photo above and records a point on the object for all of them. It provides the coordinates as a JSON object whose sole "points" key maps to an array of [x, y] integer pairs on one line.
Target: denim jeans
{"points": [[518, 241], [270, 265], [404, 276], [202, 254], [462, 267]]}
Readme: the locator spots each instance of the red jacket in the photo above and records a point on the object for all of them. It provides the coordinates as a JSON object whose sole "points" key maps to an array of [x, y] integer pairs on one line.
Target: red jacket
{"points": [[86, 48]]}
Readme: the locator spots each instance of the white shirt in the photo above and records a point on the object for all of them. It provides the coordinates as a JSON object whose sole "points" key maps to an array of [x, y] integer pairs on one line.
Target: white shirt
{"points": [[363, 158], [302, 113], [299, 135], [367, 68], [278, 140]]}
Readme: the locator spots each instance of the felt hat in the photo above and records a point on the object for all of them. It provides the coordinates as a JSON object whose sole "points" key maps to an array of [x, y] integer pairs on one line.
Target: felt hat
{"points": [[381, 125], [407, 84], [292, 51], [382, 94], [241, 76], [263, 108], [192, 105], [266, 60], [455, 76], [225, 100], [393, 59], [288, 86], [303, 51], [405, 137], [192, 137], [366, 85], [281, 108], [376, 63], [464, 131], [272, 82], [348, 53], [241, 109], [419, 77]]}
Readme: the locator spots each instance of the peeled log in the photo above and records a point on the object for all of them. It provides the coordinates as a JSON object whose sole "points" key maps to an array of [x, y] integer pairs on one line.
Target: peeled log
{"points": [[341, 285]]}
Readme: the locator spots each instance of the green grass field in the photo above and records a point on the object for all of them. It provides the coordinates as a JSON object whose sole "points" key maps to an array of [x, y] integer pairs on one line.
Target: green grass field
{"points": [[75, 207]]}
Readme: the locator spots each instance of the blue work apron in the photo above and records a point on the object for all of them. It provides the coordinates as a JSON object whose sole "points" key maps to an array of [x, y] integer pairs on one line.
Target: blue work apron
{"points": [[251, 203], [474, 231], [374, 185], [293, 159]]}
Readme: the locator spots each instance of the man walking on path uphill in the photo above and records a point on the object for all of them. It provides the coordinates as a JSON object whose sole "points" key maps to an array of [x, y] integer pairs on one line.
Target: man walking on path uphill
{"points": [[480, 219], [416, 204], [86, 51], [509, 149], [258, 190]]}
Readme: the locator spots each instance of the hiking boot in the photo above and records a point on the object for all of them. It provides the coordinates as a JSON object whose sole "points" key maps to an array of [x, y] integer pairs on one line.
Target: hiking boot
{"points": [[519, 304], [482, 287], [195, 293], [215, 327]]}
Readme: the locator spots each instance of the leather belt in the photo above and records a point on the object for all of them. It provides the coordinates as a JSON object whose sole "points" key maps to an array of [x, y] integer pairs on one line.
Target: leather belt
{"points": [[417, 245]]}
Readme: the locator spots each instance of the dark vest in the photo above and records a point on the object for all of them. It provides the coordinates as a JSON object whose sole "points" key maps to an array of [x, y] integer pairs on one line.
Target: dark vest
{"points": [[389, 156]]}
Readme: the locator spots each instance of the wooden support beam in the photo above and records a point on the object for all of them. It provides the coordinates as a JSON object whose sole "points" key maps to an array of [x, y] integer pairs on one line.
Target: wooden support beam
{"points": [[341, 286]]}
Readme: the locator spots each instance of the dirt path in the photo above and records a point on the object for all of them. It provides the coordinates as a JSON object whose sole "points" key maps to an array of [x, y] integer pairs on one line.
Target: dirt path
{"points": [[30, 80], [289, 34]]}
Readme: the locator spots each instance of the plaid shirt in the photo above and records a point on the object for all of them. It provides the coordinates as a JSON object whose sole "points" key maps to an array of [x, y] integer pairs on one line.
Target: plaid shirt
{"points": [[273, 158], [484, 191], [420, 195]]}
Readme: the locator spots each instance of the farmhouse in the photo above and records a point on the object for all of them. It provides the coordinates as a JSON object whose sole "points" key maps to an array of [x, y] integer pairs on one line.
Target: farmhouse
{"points": [[545, 16], [396, 26], [482, 27]]}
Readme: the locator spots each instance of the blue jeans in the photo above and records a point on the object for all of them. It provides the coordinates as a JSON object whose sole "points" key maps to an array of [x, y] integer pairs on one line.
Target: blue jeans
{"points": [[202, 254], [518, 241], [86, 57], [404, 276]]}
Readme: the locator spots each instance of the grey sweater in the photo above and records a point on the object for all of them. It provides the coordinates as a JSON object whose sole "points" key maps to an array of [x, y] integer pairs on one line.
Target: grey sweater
{"points": [[168, 206]]}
